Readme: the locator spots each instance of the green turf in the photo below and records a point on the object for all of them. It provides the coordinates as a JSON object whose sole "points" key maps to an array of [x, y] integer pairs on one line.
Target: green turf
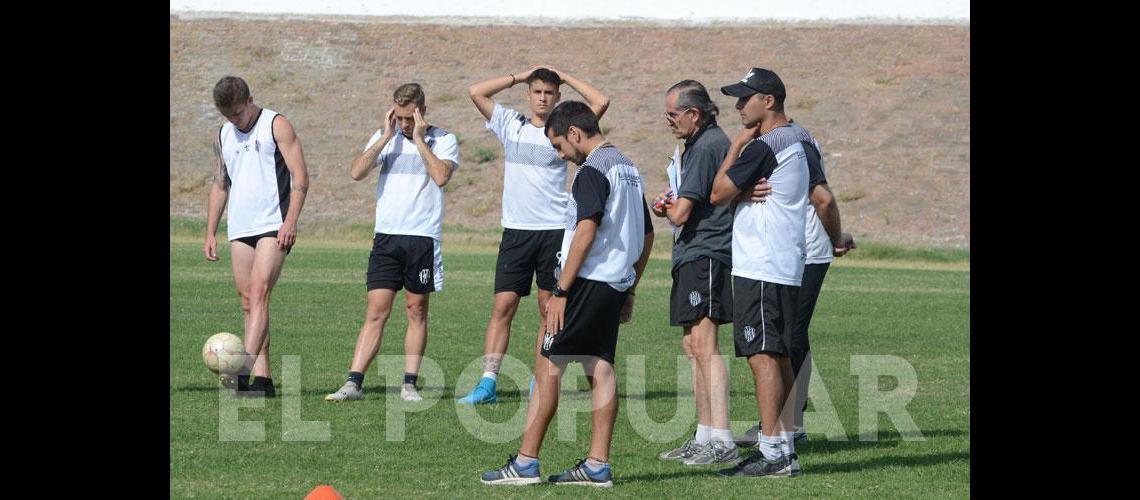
{"points": [[487, 240], [921, 316]]}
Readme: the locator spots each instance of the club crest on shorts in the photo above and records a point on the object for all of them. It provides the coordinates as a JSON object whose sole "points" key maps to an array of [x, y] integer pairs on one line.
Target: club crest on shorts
{"points": [[749, 333], [694, 298], [424, 275], [547, 341]]}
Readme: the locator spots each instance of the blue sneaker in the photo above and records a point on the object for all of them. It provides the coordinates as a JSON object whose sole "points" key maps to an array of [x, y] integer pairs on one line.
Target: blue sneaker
{"points": [[484, 392], [513, 473], [581, 474]]}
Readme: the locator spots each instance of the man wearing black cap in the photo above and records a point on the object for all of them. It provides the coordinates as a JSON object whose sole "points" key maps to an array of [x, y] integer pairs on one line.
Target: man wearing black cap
{"points": [[768, 253], [825, 240]]}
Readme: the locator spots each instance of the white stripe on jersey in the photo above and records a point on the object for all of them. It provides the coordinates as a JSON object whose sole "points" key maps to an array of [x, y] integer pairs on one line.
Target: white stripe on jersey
{"points": [[534, 178], [408, 201]]}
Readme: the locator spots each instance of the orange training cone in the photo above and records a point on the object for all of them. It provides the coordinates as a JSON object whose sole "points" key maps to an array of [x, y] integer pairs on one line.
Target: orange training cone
{"points": [[324, 492]]}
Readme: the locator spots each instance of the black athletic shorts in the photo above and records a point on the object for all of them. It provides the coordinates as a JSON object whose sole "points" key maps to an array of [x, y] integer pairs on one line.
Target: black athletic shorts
{"points": [[701, 288], [404, 261], [765, 316], [524, 254], [252, 240], [591, 322]]}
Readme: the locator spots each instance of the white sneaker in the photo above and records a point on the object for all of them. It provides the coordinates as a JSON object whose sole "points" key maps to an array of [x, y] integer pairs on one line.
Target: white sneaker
{"points": [[409, 393], [347, 392], [715, 452]]}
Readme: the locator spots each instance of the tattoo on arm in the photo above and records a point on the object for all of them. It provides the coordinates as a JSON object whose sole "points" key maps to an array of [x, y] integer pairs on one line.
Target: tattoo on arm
{"points": [[221, 178]]}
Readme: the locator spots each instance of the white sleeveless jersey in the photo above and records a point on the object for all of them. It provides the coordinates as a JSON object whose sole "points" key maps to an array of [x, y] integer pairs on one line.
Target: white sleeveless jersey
{"points": [[260, 182]]}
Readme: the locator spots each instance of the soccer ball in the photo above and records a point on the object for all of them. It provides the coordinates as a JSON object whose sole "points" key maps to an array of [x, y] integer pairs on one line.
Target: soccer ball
{"points": [[223, 353]]}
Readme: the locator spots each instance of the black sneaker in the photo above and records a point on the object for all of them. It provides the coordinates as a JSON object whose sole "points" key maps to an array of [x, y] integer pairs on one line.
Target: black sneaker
{"points": [[258, 389], [749, 439], [228, 381], [758, 466]]}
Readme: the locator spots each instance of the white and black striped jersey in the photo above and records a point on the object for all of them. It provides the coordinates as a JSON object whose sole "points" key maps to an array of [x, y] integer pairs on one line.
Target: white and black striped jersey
{"points": [[819, 246], [408, 201], [608, 186], [534, 178], [768, 239]]}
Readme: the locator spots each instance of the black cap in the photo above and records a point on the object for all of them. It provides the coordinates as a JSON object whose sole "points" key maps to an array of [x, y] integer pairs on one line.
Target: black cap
{"points": [[758, 80]]}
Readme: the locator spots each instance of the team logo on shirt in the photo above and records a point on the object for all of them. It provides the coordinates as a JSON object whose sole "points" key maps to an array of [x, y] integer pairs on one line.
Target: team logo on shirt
{"points": [[694, 298], [749, 333], [424, 275]]}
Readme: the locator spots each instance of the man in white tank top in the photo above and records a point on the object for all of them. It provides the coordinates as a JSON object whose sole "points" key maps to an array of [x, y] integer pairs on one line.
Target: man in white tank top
{"points": [[261, 176]]}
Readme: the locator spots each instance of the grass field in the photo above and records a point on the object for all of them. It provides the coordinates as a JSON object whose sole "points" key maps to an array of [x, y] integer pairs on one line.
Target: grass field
{"points": [[920, 315]]}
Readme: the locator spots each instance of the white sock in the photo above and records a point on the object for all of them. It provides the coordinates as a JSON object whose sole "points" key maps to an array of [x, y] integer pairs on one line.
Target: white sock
{"points": [[704, 433], [725, 436], [524, 460], [490, 375], [788, 442], [771, 447]]}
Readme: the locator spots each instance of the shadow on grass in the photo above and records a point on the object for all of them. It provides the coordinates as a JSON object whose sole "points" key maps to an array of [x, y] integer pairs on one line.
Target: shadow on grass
{"points": [[815, 468], [662, 476], [886, 439], [887, 461], [280, 390]]}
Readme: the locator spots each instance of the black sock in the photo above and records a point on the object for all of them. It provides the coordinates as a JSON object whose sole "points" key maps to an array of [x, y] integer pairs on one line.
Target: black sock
{"points": [[261, 382], [410, 378], [243, 381], [358, 378]]}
